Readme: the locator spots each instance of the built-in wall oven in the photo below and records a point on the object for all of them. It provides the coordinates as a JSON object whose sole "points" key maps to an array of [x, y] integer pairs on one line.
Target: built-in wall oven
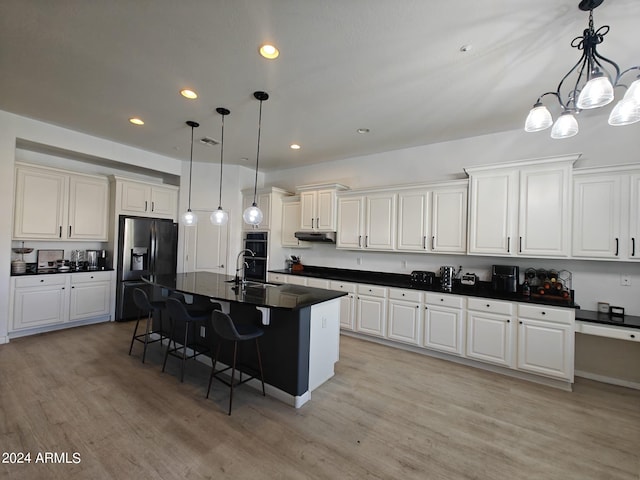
{"points": [[256, 265]]}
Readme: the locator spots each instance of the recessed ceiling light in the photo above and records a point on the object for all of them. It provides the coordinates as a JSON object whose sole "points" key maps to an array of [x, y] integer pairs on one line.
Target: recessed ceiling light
{"points": [[363, 130], [190, 94], [136, 121], [269, 51], [466, 48], [294, 146]]}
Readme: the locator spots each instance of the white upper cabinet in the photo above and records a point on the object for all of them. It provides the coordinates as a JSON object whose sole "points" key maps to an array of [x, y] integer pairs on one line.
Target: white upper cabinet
{"points": [[58, 205], [433, 219], [367, 221], [521, 208], [269, 201], [449, 225], [290, 221], [606, 213], [318, 207], [146, 199]]}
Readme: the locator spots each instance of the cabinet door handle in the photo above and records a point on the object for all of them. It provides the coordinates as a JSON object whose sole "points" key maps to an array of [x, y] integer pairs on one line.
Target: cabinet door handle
{"points": [[617, 245], [433, 242], [520, 245], [69, 231], [520, 323], [359, 240], [424, 242], [633, 246], [60, 232], [508, 244], [71, 287], [366, 241], [153, 206], [145, 205], [317, 222]]}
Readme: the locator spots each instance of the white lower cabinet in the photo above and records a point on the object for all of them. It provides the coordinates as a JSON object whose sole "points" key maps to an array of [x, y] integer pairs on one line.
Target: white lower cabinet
{"points": [[546, 340], [405, 315], [491, 331], [444, 323], [39, 300], [347, 303], [90, 295], [371, 310], [42, 302]]}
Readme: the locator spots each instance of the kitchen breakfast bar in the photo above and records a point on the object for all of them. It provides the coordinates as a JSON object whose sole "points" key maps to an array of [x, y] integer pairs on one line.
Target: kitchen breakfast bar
{"points": [[301, 327]]}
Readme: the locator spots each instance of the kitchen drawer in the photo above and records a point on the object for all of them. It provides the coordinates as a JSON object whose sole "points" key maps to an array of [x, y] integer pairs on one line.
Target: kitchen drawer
{"points": [[403, 294], [86, 277], [546, 313], [40, 280], [342, 286], [622, 333], [277, 277], [488, 305], [444, 300], [372, 291], [317, 283]]}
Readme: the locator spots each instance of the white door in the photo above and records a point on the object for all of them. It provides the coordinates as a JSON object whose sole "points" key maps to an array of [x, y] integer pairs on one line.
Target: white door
{"points": [[634, 218], [380, 221], [206, 245], [326, 210], [443, 329], [449, 229], [308, 210], [545, 348], [596, 216], [404, 321], [493, 213], [350, 220], [413, 221], [371, 315], [88, 209], [544, 219], [40, 204], [490, 338]]}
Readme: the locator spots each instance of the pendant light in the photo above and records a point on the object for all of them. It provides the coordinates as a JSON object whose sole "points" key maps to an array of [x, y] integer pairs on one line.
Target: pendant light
{"points": [[588, 85], [189, 218], [220, 217], [253, 215]]}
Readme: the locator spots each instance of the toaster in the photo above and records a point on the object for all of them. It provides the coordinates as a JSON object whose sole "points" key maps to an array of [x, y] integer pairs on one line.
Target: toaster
{"points": [[422, 278], [469, 279]]}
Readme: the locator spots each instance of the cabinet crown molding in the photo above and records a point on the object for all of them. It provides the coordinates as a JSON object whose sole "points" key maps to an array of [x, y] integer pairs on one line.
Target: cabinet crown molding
{"points": [[623, 168], [572, 158], [407, 187], [321, 186], [118, 178]]}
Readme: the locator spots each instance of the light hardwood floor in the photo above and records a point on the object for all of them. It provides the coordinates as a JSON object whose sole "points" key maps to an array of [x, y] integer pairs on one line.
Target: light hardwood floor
{"points": [[387, 414]]}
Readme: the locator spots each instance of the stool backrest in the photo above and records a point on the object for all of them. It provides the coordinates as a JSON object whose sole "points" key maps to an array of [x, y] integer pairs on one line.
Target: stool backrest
{"points": [[224, 326], [141, 300], [177, 309]]}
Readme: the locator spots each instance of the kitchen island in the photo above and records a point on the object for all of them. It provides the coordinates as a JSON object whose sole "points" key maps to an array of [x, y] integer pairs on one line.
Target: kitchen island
{"points": [[301, 327]]}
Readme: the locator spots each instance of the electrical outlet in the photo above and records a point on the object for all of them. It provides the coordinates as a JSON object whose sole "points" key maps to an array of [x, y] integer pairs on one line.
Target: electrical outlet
{"points": [[358, 260], [403, 264], [625, 280], [203, 332]]}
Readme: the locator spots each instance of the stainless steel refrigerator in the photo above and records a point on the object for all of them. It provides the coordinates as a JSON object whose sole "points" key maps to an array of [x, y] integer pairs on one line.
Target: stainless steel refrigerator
{"points": [[146, 246]]}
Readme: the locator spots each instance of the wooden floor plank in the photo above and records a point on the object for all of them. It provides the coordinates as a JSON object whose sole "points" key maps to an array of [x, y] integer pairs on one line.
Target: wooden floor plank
{"points": [[386, 414]]}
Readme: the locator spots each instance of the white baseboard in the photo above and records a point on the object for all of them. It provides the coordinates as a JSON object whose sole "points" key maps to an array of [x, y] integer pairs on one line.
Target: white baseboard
{"points": [[4, 339], [605, 379]]}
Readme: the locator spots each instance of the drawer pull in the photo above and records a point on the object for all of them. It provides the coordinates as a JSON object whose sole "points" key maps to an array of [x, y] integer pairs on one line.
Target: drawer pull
{"points": [[632, 336], [544, 313], [509, 321], [442, 299], [488, 305]]}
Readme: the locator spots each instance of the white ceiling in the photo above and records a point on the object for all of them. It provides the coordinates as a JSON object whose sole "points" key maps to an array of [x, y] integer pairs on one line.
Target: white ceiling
{"points": [[392, 66]]}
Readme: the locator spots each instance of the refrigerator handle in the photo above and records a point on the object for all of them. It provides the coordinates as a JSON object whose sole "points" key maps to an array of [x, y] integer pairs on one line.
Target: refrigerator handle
{"points": [[152, 256]]}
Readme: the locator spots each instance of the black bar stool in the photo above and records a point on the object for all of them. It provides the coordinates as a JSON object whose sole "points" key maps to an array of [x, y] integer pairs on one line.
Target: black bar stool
{"points": [[224, 326], [178, 312], [150, 309]]}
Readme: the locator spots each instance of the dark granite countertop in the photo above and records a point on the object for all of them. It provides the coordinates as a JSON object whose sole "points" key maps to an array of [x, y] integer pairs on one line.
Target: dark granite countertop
{"points": [[221, 287], [630, 321], [56, 272], [481, 289]]}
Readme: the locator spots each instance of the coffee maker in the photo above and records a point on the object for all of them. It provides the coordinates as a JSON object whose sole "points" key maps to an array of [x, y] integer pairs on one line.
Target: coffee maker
{"points": [[504, 278], [96, 259]]}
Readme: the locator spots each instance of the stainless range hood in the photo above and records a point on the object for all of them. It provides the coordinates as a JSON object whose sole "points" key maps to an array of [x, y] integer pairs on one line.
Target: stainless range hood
{"points": [[326, 237]]}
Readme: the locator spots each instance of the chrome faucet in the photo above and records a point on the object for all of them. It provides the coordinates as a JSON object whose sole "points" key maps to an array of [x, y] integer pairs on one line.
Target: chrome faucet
{"points": [[239, 280]]}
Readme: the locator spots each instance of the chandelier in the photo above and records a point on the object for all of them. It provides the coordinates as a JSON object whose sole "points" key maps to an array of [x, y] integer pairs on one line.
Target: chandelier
{"points": [[589, 84]]}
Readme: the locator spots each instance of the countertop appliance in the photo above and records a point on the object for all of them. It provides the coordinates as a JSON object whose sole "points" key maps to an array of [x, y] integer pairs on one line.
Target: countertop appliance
{"points": [[326, 237], [504, 278], [146, 246], [469, 279], [447, 274], [421, 278]]}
